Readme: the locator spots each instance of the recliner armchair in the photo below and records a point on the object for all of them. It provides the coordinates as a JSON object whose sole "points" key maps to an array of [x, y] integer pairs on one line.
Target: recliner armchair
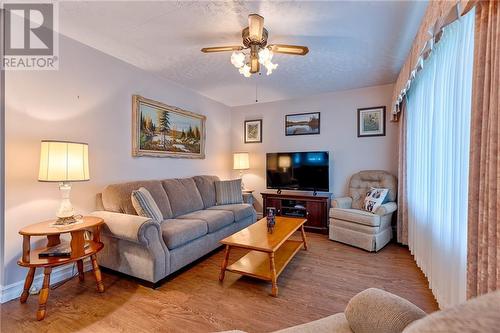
{"points": [[352, 225]]}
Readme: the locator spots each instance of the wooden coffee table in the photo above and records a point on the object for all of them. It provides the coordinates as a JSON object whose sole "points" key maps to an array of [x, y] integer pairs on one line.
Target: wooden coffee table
{"points": [[270, 252]]}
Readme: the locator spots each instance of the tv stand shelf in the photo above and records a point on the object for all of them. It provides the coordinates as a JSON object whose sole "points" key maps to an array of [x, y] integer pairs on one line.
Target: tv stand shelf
{"points": [[313, 207]]}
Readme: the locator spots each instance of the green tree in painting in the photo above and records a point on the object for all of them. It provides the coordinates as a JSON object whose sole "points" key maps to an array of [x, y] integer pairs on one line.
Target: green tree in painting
{"points": [[190, 133], [197, 133], [163, 125]]}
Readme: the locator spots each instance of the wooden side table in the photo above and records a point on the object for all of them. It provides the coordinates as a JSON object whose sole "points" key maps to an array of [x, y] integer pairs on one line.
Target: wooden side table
{"points": [[80, 249]]}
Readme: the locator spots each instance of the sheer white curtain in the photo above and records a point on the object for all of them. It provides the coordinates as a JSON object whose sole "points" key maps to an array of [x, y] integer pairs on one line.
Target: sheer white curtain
{"points": [[438, 134]]}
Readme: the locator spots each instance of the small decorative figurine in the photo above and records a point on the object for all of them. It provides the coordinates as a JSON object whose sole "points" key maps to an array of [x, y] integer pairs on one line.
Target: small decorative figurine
{"points": [[271, 221]]}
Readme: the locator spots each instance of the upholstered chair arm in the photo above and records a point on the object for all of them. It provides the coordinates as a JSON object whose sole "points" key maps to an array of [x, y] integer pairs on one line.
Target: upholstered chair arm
{"points": [[342, 202], [378, 311], [387, 208], [133, 228]]}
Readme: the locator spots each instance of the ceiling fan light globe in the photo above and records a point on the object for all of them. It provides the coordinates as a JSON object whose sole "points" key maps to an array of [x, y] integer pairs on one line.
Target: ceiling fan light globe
{"points": [[270, 67], [245, 71], [238, 59], [265, 55]]}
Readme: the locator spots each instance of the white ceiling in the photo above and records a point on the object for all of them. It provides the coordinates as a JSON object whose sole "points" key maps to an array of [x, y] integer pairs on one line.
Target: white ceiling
{"points": [[352, 44]]}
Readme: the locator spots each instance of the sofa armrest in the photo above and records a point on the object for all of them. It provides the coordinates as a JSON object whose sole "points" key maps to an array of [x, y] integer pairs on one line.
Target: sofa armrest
{"points": [[378, 311], [128, 227], [343, 202], [387, 208]]}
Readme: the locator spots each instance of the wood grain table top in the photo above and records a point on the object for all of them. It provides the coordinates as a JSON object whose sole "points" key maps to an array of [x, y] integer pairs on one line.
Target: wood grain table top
{"points": [[256, 237], [47, 228]]}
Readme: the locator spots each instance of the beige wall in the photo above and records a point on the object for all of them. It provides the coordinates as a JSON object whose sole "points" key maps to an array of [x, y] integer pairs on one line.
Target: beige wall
{"points": [[348, 153], [89, 99]]}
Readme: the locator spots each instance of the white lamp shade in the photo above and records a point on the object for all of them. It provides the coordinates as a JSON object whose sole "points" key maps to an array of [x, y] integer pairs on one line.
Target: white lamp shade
{"points": [[240, 161], [63, 161]]}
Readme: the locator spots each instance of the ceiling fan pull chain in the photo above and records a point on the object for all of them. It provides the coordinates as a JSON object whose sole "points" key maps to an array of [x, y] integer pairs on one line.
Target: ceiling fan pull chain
{"points": [[256, 83]]}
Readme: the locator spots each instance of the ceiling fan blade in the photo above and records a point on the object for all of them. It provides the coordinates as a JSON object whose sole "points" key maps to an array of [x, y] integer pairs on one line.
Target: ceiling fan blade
{"points": [[255, 26], [221, 49], [289, 49]]}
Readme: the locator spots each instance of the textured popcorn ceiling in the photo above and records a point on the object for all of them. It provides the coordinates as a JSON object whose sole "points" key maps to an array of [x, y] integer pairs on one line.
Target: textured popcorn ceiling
{"points": [[352, 44]]}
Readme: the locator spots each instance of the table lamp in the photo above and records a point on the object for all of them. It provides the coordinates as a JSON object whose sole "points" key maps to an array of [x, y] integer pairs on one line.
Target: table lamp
{"points": [[241, 162], [64, 162]]}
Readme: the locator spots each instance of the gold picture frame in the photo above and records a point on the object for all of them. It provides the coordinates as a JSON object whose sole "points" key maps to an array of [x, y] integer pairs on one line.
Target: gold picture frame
{"points": [[161, 130]]}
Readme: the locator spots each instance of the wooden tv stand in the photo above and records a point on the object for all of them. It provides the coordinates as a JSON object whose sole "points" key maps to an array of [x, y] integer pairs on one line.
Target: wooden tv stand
{"points": [[313, 207]]}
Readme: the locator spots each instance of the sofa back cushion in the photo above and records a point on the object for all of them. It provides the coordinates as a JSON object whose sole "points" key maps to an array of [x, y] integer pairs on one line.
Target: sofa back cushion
{"points": [[362, 181], [481, 314], [117, 197], [183, 195], [206, 186]]}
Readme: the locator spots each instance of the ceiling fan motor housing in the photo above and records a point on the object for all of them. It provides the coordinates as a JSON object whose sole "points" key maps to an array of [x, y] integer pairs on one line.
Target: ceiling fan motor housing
{"points": [[248, 42]]}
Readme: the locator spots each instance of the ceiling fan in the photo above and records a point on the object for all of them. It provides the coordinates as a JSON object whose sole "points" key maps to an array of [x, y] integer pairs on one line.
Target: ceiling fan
{"points": [[255, 39]]}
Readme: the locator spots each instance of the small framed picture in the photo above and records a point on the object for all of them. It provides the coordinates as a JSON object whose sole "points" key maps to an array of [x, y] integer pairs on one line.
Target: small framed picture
{"points": [[302, 123], [371, 121], [253, 131]]}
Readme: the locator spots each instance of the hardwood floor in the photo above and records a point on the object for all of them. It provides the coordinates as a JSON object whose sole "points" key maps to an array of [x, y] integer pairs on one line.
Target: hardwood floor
{"points": [[316, 283]]}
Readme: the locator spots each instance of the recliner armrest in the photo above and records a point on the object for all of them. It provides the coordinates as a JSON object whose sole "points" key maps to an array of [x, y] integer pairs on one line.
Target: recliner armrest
{"points": [[342, 202], [132, 228], [387, 208]]}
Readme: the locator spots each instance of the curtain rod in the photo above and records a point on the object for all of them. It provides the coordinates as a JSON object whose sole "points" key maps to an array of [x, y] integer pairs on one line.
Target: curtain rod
{"points": [[436, 33]]}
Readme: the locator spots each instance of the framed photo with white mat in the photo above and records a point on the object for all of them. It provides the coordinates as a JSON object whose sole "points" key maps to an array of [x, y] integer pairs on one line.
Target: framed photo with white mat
{"points": [[371, 121], [253, 131]]}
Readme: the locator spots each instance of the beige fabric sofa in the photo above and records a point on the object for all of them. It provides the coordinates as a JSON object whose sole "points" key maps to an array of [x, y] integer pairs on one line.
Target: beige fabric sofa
{"points": [[377, 311], [192, 226], [352, 225]]}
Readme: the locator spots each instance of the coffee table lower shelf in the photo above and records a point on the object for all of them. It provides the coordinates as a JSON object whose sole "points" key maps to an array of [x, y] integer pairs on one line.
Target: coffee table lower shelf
{"points": [[257, 264]]}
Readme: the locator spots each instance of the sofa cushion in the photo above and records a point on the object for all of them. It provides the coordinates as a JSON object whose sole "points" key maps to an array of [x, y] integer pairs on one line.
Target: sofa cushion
{"points": [[336, 323], [183, 195], [228, 192], [377, 311], [240, 211], [206, 187], [481, 314], [356, 216], [117, 197], [215, 219], [177, 232], [145, 205]]}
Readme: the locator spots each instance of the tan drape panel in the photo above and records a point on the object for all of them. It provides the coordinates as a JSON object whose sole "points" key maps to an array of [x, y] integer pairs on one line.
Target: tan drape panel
{"points": [[402, 223], [483, 262], [435, 9]]}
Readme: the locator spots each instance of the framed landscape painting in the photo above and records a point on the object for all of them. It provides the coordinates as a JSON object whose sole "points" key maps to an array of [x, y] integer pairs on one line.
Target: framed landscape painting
{"points": [[161, 130], [253, 131], [371, 121], [302, 123]]}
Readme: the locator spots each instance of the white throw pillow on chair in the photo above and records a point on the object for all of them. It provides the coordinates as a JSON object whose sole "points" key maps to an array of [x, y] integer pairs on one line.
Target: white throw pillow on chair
{"points": [[375, 197]]}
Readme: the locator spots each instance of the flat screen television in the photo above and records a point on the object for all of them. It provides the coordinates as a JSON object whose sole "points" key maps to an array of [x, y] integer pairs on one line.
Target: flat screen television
{"points": [[306, 171]]}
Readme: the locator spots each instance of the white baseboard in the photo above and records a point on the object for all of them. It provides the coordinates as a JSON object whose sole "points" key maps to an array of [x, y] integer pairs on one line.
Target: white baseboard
{"points": [[59, 274]]}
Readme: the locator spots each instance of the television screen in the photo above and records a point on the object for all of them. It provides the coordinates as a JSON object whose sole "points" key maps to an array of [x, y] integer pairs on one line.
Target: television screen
{"points": [[307, 171]]}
